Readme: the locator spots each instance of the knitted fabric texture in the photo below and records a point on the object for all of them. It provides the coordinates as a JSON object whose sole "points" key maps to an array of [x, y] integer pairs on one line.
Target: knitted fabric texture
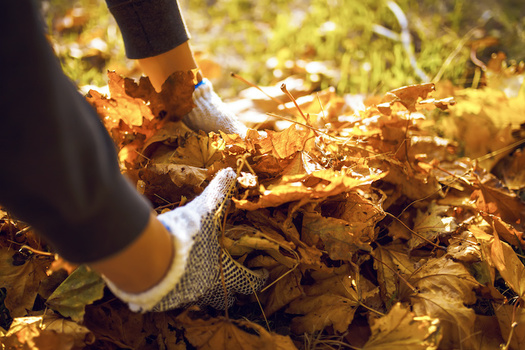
{"points": [[211, 114], [195, 275]]}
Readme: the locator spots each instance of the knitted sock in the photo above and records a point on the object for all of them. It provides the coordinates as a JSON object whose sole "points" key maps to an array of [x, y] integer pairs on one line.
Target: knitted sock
{"points": [[211, 114]]}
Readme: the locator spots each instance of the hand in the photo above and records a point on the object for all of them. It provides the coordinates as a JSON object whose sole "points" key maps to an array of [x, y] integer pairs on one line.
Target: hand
{"points": [[211, 114], [195, 274]]}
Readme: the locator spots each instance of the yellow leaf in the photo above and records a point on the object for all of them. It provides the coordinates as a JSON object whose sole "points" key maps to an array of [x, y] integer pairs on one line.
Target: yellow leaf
{"points": [[329, 302], [21, 281], [400, 329]]}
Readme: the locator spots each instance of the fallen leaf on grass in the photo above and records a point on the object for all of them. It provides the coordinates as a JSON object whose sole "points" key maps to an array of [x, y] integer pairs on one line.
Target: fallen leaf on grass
{"points": [[223, 333], [81, 288], [400, 329]]}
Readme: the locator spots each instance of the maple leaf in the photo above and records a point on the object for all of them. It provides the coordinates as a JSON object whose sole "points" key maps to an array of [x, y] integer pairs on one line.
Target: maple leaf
{"points": [[223, 333], [494, 199], [432, 224], [408, 96], [443, 288], [390, 262], [329, 302], [283, 144], [21, 281], [400, 329], [324, 183], [340, 238]]}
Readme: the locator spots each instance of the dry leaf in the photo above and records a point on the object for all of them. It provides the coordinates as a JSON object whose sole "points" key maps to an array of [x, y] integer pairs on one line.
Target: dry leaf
{"points": [[510, 316], [509, 265], [339, 237], [81, 288], [408, 96], [222, 333], [292, 188], [331, 302], [47, 332], [443, 288], [433, 223], [21, 278], [400, 329]]}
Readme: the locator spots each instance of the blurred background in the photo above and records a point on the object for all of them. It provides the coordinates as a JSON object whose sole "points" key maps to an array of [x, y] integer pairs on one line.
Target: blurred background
{"points": [[356, 46]]}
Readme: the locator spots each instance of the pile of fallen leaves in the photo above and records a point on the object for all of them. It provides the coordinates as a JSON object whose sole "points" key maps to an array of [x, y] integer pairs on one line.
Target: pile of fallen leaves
{"points": [[377, 233]]}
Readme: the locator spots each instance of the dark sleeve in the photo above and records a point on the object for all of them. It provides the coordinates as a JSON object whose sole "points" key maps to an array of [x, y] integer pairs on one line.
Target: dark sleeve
{"points": [[59, 167], [149, 27]]}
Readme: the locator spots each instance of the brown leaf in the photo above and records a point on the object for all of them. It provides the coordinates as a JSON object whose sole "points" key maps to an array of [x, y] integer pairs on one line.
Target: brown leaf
{"points": [[285, 143], [287, 289], [511, 316], [492, 198], [443, 288], [433, 223], [329, 302], [509, 265], [22, 280], [400, 329], [174, 101], [340, 238], [223, 333], [408, 96], [117, 327], [388, 261], [325, 183], [48, 332]]}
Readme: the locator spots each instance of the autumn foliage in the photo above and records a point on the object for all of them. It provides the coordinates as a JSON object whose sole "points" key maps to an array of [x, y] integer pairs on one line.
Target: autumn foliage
{"points": [[377, 233]]}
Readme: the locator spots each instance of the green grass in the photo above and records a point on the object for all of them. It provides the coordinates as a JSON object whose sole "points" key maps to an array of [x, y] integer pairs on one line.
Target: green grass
{"points": [[265, 40]]}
